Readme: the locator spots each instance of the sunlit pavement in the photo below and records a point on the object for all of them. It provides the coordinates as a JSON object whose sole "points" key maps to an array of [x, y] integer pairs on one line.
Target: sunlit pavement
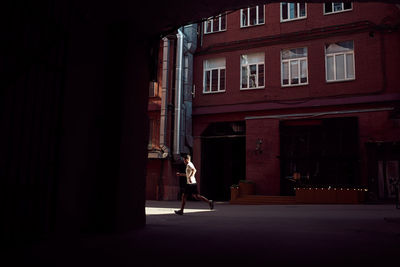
{"points": [[231, 235]]}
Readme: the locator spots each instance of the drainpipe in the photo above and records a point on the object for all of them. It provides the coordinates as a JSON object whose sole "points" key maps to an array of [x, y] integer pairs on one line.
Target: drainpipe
{"points": [[190, 48], [164, 99], [178, 95]]}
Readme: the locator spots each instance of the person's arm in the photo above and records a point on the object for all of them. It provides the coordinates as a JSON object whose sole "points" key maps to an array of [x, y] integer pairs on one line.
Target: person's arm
{"points": [[192, 173]]}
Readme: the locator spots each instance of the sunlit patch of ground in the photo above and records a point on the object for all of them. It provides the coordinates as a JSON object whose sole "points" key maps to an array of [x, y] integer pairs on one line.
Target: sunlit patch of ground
{"points": [[163, 211]]}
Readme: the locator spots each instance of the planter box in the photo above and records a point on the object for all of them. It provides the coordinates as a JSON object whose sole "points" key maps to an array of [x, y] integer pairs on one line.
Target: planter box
{"points": [[346, 196], [246, 188], [234, 193], [325, 196], [329, 196]]}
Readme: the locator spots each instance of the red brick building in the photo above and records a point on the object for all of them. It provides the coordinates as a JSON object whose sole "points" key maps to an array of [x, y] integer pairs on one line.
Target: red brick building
{"points": [[271, 92], [170, 113], [298, 88]]}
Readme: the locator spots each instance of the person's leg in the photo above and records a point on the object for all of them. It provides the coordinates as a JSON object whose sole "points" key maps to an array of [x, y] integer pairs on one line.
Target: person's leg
{"points": [[180, 212], [200, 197], [184, 197]]}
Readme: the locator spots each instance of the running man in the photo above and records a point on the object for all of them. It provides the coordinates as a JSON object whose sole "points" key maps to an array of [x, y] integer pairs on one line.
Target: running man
{"points": [[191, 186]]}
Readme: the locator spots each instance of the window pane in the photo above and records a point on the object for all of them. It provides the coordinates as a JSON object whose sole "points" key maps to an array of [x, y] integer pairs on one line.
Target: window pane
{"points": [[292, 10], [337, 6], [222, 79], [223, 22], [328, 7], [339, 67], [151, 128], [347, 5], [244, 77], [208, 26], [214, 63], [303, 71], [330, 75], [253, 76], [253, 16], [302, 9], [294, 71], [244, 17], [214, 79], [284, 11], [261, 75], [339, 47], [207, 81], [348, 45], [285, 73], [301, 52], [285, 54], [349, 66], [261, 14], [216, 24], [294, 53]]}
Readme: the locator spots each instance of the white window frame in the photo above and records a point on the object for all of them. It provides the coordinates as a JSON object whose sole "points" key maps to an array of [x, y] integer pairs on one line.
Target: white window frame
{"points": [[334, 65], [262, 62], [289, 69], [335, 12], [205, 70], [211, 20], [247, 10], [298, 8]]}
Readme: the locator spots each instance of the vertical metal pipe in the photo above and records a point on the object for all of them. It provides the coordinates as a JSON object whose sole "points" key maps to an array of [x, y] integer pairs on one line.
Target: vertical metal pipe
{"points": [[164, 98], [178, 93]]}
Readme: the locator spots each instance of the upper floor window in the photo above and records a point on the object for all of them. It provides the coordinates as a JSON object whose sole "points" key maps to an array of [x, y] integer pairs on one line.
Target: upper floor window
{"points": [[252, 16], [293, 11], [214, 75], [215, 24], [294, 67], [252, 71], [153, 89], [330, 8], [339, 61]]}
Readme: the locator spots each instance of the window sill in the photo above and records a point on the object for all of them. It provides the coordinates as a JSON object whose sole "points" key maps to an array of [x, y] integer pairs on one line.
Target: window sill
{"points": [[293, 85], [249, 26], [337, 12], [211, 93], [249, 89], [207, 33], [290, 20], [338, 81]]}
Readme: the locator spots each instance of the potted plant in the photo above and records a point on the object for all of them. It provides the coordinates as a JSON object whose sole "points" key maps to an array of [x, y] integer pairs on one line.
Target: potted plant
{"points": [[234, 192], [247, 187]]}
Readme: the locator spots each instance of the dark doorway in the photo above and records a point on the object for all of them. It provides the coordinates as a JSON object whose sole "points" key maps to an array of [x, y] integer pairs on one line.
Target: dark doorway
{"points": [[319, 152], [383, 170], [223, 158]]}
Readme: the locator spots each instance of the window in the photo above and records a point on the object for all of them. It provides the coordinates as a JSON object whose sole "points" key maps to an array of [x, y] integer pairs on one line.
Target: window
{"points": [[252, 71], [293, 11], [153, 89], [252, 16], [294, 67], [339, 61], [330, 8], [214, 75], [215, 24]]}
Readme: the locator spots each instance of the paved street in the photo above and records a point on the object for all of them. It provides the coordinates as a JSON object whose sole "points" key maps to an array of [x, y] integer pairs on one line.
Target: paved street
{"points": [[270, 235]]}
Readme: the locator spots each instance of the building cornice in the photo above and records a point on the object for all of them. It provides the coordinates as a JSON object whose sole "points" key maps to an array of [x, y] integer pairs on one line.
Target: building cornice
{"points": [[270, 106], [316, 33]]}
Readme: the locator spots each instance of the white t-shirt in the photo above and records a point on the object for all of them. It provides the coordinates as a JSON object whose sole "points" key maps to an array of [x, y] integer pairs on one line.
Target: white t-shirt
{"points": [[190, 171]]}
